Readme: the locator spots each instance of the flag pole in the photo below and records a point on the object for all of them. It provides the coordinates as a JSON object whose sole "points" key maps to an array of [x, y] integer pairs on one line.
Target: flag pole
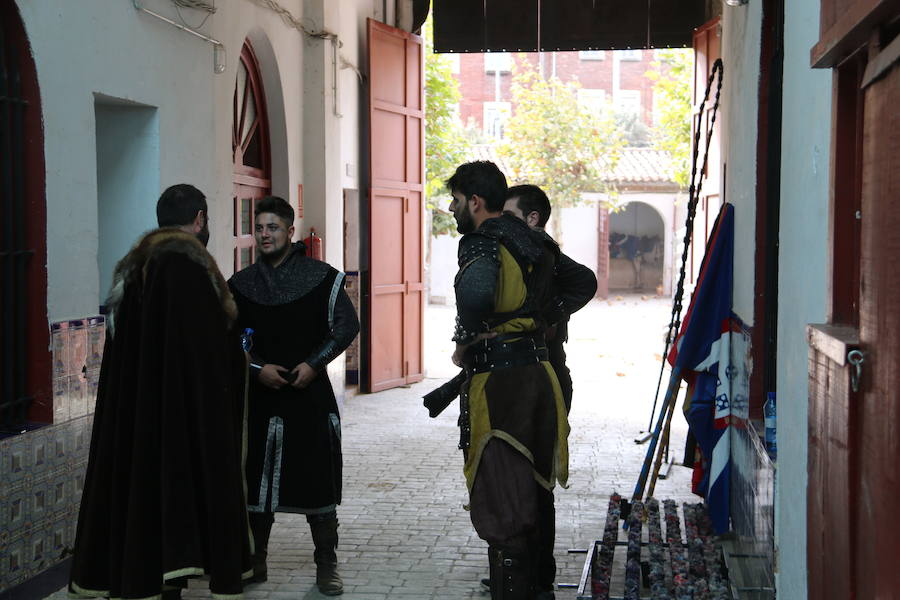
{"points": [[670, 399]]}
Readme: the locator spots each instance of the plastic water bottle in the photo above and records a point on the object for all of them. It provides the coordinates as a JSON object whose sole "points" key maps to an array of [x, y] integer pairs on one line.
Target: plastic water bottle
{"points": [[247, 339], [769, 413]]}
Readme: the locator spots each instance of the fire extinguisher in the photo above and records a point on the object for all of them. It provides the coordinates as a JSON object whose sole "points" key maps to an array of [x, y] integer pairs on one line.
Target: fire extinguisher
{"points": [[313, 245]]}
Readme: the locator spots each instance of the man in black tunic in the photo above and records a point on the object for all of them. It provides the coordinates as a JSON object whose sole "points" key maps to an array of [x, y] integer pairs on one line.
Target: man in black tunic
{"points": [[164, 490], [574, 284], [301, 319]]}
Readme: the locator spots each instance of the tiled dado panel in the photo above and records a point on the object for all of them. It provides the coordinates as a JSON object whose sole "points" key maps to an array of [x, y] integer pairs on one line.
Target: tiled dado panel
{"points": [[42, 471], [752, 473], [42, 477], [77, 352]]}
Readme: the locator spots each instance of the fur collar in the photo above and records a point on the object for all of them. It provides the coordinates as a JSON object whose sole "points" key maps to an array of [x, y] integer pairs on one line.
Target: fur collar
{"points": [[154, 244]]}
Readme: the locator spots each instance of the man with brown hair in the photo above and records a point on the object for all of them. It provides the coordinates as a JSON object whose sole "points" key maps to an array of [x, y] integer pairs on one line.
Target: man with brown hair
{"points": [[301, 319]]}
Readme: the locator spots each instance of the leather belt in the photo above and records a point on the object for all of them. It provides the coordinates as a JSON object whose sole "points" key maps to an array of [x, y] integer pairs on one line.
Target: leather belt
{"points": [[508, 350]]}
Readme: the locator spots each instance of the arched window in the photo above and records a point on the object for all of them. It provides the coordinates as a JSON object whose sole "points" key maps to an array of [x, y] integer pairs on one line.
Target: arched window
{"points": [[25, 391], [250, 145]]}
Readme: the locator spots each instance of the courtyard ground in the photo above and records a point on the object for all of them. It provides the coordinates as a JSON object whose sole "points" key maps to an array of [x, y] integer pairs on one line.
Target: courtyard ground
{"points": [[404, 532]]}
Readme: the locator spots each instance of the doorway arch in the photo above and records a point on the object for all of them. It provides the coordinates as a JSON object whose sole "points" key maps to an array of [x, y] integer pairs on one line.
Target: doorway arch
{"points": [[637, 249], [251, 149]]}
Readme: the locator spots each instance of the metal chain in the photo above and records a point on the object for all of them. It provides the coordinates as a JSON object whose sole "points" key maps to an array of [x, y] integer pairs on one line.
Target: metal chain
{"points": [[693, 197]]}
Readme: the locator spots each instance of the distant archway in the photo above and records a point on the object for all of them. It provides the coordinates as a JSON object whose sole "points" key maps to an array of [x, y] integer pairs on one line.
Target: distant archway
{"points": [[252, 154], [636, 249]]}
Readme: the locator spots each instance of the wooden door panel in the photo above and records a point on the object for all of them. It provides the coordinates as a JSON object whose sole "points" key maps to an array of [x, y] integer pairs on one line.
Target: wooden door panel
{"points": [[388, 50], [603, 253], [413, 250], [388, 243], [878, 525], [415, 83], [414, 141], [854, 444], [830, 498], [389, 129], [387, 338], [414, 370], [396, 249]]}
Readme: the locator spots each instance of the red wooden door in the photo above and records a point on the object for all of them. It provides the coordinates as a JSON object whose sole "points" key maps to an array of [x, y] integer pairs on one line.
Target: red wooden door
{"points": [[853, 444], [396, 238], [603, 252], [250, 148]]}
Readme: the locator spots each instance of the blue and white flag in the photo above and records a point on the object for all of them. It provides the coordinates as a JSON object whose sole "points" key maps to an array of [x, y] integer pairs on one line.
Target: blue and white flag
{"points": [[702, 353]]}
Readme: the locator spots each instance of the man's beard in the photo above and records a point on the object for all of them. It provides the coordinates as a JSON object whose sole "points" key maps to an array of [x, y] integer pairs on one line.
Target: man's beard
{"points": [[464, 221], [203, 234]]}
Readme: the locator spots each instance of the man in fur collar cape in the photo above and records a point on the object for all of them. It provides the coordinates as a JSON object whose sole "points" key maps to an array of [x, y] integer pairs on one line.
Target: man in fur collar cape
{"points": [[164, 491]]}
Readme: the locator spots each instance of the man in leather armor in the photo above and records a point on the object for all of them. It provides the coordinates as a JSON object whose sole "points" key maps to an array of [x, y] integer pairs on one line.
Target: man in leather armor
{"points": [[297, 318], [513, 418]]}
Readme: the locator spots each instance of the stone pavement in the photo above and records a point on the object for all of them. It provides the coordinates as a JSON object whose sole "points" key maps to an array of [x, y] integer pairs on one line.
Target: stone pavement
{"points": [[404, 532]]}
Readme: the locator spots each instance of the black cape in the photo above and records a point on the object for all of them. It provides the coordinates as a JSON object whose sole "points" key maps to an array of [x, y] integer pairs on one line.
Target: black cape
{"points": [[164, 492]]}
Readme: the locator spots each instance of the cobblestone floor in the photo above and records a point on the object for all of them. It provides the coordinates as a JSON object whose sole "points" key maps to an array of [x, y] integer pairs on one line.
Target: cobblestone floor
{"points": [[404, 533]]}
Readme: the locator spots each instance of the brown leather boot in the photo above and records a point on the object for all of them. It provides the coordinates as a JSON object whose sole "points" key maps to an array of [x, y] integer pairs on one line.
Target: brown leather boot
{"points": [[325, 537]]}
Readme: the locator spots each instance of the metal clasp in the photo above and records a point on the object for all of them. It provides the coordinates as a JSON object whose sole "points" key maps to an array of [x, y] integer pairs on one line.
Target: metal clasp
{"points": [[856, 359]]}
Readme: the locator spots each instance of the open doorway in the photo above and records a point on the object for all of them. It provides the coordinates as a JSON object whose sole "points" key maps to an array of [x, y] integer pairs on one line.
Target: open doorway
{"points": [[636, 250]]}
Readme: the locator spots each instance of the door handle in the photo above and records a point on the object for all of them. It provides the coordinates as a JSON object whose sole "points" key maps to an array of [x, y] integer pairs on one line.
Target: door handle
{"points": [[856, 358]]}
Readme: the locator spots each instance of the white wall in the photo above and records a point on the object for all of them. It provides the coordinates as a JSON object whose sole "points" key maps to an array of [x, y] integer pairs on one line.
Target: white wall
{"points": [[442, 268], [803, 277], [109, 48], [740, 104], [579, 233]]}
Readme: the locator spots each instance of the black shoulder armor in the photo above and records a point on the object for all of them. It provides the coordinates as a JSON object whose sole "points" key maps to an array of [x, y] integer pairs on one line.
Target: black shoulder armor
{"points": [[476, 245]]}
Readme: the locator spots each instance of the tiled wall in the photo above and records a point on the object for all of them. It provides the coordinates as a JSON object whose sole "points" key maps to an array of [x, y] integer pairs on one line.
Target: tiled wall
{"points": [[42, 471], [77, 351], [752, 475], [42, 475]]}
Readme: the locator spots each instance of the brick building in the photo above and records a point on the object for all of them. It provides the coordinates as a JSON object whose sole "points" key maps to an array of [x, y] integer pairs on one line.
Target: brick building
{"points": [[606, 76]]}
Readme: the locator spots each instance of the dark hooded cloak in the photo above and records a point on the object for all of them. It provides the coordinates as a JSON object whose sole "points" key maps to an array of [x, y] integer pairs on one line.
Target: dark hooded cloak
{"points": [[164, 490]]}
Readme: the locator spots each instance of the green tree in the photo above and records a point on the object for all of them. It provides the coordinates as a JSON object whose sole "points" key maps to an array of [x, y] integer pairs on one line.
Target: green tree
{"points": [[553, 142], [672, 75], [445, 146]]}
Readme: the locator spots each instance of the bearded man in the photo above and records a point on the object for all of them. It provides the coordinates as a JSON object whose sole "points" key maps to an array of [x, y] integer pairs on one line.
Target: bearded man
{"points": [[164, 490], [301, 319], [513, 419]]}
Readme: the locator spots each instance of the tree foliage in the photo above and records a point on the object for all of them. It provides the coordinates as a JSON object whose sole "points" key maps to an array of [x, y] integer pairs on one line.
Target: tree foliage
{"points": [[445, 145], [555, 143], [672, 75]]}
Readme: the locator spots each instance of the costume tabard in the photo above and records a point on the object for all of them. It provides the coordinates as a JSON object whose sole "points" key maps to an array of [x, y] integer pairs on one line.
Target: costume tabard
{"points": [[298, 312], [514, 427], [164, 493]]}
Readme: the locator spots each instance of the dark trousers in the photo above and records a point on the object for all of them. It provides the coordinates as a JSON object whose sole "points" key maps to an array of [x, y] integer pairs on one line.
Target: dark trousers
{"points": [[511, 512], [261, 526]]}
